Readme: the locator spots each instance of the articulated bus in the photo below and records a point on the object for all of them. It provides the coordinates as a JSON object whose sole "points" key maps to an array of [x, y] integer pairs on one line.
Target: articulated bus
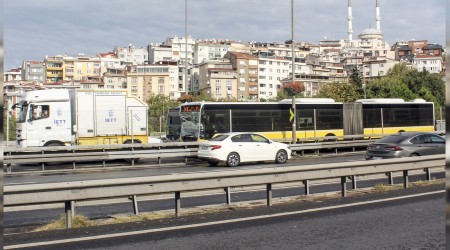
{"points": [[316, 117]]}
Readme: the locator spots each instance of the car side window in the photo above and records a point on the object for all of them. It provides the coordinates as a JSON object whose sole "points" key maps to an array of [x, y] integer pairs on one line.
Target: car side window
{"points": [[436, 139], [420, 139], [258, 138], [242, 138]]}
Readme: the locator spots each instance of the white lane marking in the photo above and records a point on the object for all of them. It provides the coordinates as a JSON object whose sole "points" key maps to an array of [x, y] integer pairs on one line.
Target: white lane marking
{"points": [[35, 244]]}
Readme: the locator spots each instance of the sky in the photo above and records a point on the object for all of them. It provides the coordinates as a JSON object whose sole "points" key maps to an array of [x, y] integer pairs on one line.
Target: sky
{"points": [[33, 29]]}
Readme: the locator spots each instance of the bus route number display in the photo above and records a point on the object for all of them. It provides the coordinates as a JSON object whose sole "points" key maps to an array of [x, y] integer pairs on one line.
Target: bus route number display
{"points": [[191, 108]]}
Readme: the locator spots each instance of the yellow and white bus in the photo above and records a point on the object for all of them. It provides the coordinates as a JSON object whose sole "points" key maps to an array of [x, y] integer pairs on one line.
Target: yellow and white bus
{"points": [[316, 117]]}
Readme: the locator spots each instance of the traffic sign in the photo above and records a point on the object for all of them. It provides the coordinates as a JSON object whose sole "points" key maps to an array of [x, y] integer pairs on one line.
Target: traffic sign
{"points": [[291, 111]]}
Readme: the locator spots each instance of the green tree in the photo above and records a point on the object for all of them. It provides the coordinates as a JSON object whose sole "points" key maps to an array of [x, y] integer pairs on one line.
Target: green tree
{"points": [[356, 79], [158, 106], [340, 91], [12, 127], [408, 84]]}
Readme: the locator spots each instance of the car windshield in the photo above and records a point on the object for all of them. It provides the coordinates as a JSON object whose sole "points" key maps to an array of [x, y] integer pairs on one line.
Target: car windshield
{"points": [[219, 138], [392, 139]]}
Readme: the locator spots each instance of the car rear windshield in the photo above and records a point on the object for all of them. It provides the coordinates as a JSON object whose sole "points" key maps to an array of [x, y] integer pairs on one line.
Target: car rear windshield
{"points": [[392, 139], [219, 138]]}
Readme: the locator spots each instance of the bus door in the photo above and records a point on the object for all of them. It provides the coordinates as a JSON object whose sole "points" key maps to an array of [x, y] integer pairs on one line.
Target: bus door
{"points": [[353, 122]]}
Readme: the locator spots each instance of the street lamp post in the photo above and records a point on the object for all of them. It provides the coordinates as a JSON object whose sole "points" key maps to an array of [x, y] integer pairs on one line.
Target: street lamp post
{"points": [[185, 48], [294, 123]]}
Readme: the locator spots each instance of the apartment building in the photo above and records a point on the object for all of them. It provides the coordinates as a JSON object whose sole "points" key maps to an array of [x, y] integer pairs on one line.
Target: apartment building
{"points": [[109, 60], [131, 55], [115, 78], [159, 52], [430, 63], [271, 70], [69, 68], [12, 75], [212, 49], [146, 80], [33, 71], [180, 46], [217, 78], [246, 67]]}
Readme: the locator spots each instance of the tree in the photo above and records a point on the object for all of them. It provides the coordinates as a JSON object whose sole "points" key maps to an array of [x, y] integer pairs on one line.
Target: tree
{"points": [[158, 106], [408, 84], [293, 88], [340, 91], [356, 79], [186, 98]]}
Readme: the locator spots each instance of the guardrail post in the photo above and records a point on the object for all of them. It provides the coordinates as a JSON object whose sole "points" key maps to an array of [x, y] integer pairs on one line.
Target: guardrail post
{"points": [[428, 173], [73, 163], [68, 205], [344, 186], [132, 159], [390, 178], [177, 203], [353, 178], [43, 163], [159, 158], [9, 165], [104, 162], [405, 179], [269, 194], [185, 158], [228, 194], [133, 198], [306, 183]]}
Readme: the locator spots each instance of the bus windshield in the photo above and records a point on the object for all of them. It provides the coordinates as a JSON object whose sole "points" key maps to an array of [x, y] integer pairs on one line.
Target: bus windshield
{"points": [[190, 125]]}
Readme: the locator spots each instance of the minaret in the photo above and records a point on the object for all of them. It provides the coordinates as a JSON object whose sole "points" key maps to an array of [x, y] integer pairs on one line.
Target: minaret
{"points": [[378, 16], [350, 19]]}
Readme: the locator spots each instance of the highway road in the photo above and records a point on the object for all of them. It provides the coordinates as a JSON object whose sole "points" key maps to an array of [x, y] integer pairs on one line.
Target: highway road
{"points": [[24, 220], [193, 165], [410, 218]]}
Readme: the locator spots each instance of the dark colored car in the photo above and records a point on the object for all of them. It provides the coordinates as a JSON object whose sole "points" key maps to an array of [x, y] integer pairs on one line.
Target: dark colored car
{"points": [[406, 144]]}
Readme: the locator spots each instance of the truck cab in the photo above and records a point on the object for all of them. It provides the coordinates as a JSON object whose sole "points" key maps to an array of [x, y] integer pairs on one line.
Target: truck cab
{"points": [[44, 119]]}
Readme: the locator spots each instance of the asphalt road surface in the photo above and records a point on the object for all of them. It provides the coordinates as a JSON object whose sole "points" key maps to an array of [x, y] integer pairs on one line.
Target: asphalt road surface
{"points": [[412, 218]]}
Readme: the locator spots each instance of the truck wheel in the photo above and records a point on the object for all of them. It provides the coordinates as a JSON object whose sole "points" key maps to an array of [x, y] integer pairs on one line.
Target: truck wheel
{"points": [[53, 144], [135, 159]]}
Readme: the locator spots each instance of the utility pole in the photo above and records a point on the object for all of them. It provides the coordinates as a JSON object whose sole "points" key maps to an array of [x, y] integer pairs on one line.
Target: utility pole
{"points": [[294, 123], [185, 49]]}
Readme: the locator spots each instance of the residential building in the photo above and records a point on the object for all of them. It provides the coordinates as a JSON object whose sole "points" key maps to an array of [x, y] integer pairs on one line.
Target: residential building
{"points": [[430, 63], [146, 80], [246, 67], [33, 71], [271, 70], [217, 78], [131, 55], [109, 60]]}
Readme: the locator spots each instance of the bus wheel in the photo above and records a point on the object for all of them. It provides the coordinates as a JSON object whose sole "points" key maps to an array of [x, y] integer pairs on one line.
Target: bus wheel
{"points": [[281, 157], [233, 159]]}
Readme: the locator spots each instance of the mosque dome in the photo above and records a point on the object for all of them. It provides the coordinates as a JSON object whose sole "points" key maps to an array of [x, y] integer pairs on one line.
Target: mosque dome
{"points": [[370, 34]]}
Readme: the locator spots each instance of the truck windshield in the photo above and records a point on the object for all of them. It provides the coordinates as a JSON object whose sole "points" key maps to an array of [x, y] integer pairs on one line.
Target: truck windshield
{"points": [[190, 125]]}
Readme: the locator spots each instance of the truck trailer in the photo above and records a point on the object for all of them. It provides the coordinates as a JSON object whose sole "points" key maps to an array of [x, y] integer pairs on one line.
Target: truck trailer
{"points": [[62, 117]]}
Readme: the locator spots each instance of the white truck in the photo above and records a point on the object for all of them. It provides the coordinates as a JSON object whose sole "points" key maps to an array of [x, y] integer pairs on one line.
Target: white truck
{"points": [[80, 117]]}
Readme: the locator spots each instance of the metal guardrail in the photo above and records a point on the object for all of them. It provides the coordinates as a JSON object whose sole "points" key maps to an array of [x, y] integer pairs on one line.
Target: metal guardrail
{"points": [[69, 192], [159, 151]]}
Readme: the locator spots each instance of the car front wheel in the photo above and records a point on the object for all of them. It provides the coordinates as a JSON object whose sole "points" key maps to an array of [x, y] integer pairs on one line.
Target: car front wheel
{"points": [[233, 160], [281, 157]]}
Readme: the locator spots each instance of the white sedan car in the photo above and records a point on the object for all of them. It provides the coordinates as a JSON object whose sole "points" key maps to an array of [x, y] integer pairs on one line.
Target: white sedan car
{"points": [[234, 148]]}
